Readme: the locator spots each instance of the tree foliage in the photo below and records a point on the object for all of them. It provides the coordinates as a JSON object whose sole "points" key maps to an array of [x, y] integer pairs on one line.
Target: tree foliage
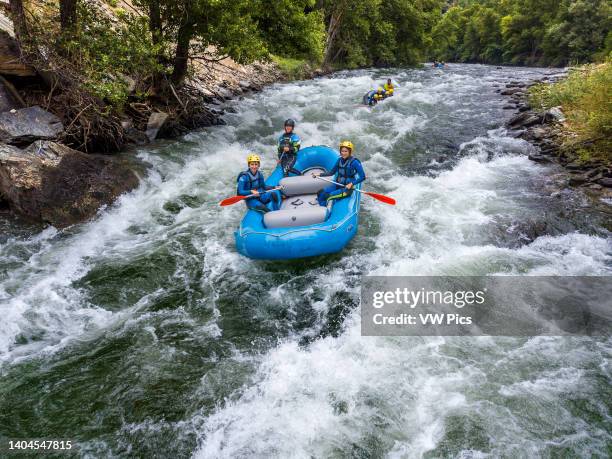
{"points": [[376, 32], [526, 32]]}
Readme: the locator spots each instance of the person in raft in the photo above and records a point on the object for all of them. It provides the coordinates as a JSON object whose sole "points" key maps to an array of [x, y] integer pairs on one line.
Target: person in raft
{"points": [[368, 98], [252, 182], [348, 171], [380, 94], [388, 87], [288, 147]]}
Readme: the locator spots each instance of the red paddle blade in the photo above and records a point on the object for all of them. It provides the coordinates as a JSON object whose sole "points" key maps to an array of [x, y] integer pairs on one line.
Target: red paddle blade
{"points": [[381, 198], [232, 200]]}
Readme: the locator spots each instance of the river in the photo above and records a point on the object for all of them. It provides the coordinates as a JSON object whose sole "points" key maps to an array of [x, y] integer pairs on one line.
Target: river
{"points": [[143, 333]]}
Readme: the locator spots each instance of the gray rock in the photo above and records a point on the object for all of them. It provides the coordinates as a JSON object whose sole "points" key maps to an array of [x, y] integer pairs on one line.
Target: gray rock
{"points": [[593, 172], [532, 120], [525, 119], [554, 114], [509, 92], [538, 158], [509, 107], [24, 126], [51, 183], [574, 166], [606, 181], [538, 133], [156, 121], [577, 180], [136, 136], [129, 82], [516, 134], [225, 93]]}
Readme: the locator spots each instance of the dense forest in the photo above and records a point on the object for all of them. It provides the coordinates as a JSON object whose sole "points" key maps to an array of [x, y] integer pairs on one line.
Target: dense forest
{"points": [[158, 38], [524, 32], [99, 59]]}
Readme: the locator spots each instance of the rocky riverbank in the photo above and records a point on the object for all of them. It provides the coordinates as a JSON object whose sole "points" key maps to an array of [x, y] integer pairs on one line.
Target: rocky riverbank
{"points": [[44, 178], [547, 131]]}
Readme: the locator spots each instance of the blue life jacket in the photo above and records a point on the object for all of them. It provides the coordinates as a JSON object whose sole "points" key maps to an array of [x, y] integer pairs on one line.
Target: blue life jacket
{"points": [[255, 182], [346, 171]]}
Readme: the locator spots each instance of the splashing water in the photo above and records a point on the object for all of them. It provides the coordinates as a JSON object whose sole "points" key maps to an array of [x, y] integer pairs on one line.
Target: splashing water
{"points": [[144, 333]]}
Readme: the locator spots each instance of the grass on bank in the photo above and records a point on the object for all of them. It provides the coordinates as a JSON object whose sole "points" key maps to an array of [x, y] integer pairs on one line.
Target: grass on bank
{"points": [[292, 68], [586, 99]]}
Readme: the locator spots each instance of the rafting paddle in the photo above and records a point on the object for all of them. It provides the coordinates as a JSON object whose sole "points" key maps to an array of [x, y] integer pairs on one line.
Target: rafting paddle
{"points": [[233, 200], [238, 198], [377, 196]]}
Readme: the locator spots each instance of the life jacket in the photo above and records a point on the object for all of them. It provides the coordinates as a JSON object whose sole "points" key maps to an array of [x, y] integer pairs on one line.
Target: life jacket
{"points": [[255, 182], [388, 87], [346, 171]]}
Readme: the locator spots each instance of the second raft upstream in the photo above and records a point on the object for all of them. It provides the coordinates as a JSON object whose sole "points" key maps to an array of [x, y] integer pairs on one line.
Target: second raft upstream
{"points": [[301, 227]]}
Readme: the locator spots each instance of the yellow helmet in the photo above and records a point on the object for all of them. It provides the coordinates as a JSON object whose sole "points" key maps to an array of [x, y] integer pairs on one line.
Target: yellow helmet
{"points": [[380, 89], [348, 144], [253, 158]]}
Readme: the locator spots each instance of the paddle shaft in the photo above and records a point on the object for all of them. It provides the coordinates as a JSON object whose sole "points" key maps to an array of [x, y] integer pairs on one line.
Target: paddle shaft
{"points": [[377, 196], [337, 183]]}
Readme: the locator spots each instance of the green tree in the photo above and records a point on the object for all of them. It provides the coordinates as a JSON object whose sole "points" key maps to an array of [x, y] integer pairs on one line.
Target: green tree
{"points": [[579, 31]]}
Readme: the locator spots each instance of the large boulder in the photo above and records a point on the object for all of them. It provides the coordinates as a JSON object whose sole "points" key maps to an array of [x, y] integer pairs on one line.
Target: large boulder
{"points": [[156, 121], [51, 183], [555, 114], [24, 126]]}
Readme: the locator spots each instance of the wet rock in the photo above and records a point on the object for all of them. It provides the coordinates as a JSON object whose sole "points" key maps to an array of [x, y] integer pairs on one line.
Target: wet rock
{"points": [[135, 136], [509, 107], [516, 134], [24, 126], [525, 119], [51, 183], [593, 173], [574, 166], [595, 186], [524, 108], [606, 181], [155, 123], [538, 158], [548, 150], [577, 180], [225, 93], [532, 120], [509, 92]]}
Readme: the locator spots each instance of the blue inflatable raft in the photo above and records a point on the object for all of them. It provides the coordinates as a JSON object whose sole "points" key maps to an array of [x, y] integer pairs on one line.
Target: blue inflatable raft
{"points": [[301, 227]]}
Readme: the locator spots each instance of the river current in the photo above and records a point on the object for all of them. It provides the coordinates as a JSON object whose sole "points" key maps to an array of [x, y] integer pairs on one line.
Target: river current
{"points": [[142, 333]]}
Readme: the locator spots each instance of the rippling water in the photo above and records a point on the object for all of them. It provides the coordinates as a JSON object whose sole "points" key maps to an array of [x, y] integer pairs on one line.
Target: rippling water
{"points": [[143, 333]]}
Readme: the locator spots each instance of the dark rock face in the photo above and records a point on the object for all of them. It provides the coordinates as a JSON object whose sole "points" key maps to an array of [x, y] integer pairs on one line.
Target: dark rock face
{"points": [[509, 92], [539, 158], [24, 126], [54, 184]]}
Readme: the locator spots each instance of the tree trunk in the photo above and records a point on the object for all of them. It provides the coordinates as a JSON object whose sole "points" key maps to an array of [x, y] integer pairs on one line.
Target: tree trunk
{"points": [[68, 14], [155, 23], [335, 21], [19, 20], [181, 54]]}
